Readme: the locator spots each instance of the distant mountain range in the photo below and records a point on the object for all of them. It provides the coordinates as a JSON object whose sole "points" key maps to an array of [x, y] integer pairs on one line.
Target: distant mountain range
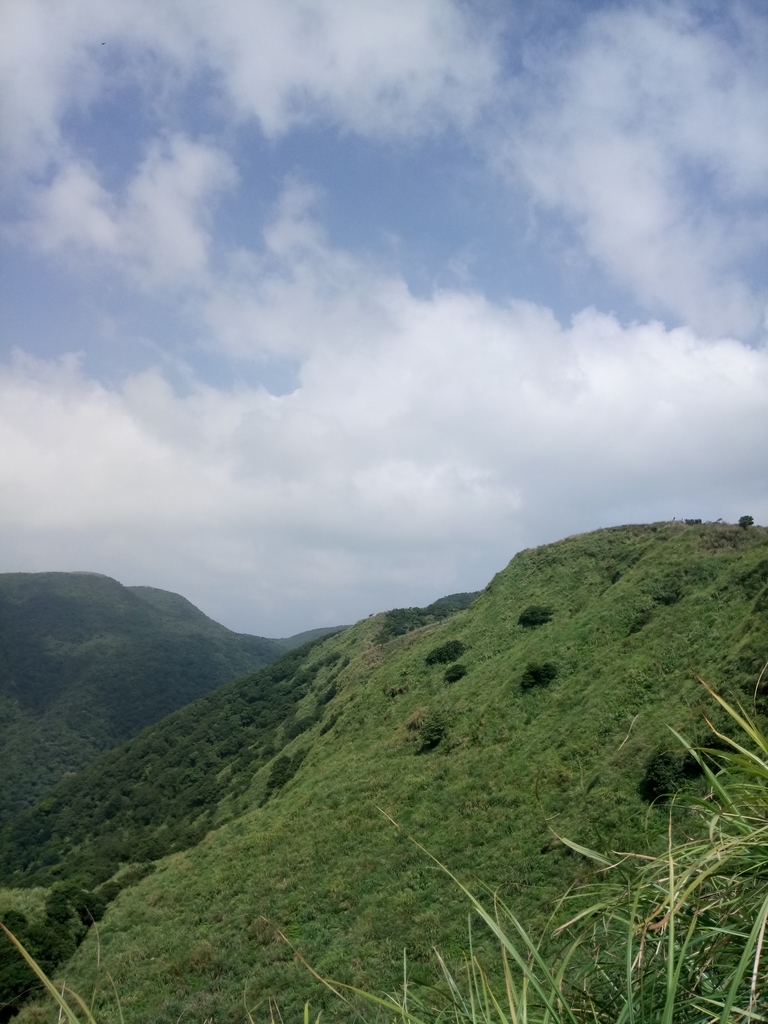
{"points": [[86, 663]]}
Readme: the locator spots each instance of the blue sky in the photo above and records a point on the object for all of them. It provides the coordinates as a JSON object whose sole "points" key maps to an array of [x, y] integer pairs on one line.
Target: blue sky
{"points": [[310, 309]]}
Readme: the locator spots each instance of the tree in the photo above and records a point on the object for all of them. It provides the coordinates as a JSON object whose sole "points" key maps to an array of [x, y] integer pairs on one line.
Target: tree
{"points": [[746, 521]]}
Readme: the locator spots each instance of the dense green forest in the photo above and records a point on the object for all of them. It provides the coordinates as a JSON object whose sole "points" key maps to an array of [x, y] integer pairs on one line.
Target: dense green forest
{"points": [[86, 663], [541, 710]]}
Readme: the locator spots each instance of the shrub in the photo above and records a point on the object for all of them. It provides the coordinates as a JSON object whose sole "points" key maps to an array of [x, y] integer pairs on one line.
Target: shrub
{"points": [[446, 653], [329, 694], [538, 674], [666, 774], [432, 729], [535, 615], [283, 770], [327, 726], [300, 725], [455, 672]]}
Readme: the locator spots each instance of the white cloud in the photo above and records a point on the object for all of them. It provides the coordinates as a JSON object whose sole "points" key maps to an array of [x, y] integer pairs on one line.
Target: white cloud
{"points": [[429, 437], [414, 456], [649, 131], [399, 68], [156, 232], [403, 68]]}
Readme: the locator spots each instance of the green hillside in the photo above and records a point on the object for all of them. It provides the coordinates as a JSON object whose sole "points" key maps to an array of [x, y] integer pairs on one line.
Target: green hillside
{"points": [[541, 708], [86, 663]]}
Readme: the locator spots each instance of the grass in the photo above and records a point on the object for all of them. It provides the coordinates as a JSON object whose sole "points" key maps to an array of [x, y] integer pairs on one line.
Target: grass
{"points": [[513, 765], [679, 941]]}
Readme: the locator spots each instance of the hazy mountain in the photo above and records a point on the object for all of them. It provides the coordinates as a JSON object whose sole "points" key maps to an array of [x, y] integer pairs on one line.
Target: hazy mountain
{"points": [[86, 663]]}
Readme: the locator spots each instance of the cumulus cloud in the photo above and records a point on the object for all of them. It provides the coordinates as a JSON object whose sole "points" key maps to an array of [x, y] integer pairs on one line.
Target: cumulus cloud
{"points": [[428, 437], [156, 233], [457, 432], [648, 129], [408, 67]]}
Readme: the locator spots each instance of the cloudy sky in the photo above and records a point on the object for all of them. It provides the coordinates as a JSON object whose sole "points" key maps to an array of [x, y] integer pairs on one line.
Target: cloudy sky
{"points": [[312, 308]]}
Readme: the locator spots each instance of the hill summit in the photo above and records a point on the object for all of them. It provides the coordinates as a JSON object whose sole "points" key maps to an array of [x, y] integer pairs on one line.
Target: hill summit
{"points": [[540, 710]]}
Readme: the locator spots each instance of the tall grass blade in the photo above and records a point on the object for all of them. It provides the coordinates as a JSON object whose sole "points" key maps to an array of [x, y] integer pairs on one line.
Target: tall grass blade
{"points": [[64, 1007]]}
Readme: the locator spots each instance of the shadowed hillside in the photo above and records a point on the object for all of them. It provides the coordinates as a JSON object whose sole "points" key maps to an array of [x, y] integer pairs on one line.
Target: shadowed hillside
{"points": [[540, 709], [86, 663]]}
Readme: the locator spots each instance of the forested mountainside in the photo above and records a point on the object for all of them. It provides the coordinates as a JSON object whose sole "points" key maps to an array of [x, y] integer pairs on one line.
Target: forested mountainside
{"points": [[541, 710], [86, 663]]}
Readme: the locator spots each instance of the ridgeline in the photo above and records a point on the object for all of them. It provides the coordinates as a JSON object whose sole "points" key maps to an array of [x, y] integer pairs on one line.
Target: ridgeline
{"points": [[86, 663], [541, 710]]}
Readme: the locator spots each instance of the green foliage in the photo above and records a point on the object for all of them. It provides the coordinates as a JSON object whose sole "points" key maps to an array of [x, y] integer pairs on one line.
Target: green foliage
{"points": [[746, 521], [51, 939], [538, 674], [87, 663], [455, 672], [678, 939], [318, 859], [160, 793], [667, 773], [535, 615], [432, 729], [283, 770], [445, 653], [399, 621]]}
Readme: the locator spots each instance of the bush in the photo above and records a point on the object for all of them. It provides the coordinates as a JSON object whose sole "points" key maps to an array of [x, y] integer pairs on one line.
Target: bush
{"points": [[446, 653], [538, 674], [432, 729], [667, 773], [535, 615], [283, 770], [455, 672]]}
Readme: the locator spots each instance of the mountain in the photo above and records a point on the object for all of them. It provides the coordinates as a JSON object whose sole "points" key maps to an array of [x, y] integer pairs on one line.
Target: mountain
{"points": [[86, 663], [288, 643], [539, 711]]}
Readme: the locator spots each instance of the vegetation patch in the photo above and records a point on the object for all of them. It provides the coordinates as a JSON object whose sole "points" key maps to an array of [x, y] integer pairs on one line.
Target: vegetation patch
{"points": [[538, 674], [283, 770], [445, 653], [432, 729], [455, 672], [160, 792], [535, 615], [399, 621], [667, 773]]}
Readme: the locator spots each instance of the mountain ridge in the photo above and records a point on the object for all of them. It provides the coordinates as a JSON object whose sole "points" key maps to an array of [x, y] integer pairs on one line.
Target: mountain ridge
{"points": [[86, 663], [479, 764]]}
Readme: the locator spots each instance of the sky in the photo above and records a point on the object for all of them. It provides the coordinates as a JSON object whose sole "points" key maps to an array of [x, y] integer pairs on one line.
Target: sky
{"points": [[314, 308]]}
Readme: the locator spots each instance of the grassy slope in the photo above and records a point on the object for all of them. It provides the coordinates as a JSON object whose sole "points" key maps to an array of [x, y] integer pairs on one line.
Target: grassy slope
{"points": [[85, 663], [632, 607]]}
